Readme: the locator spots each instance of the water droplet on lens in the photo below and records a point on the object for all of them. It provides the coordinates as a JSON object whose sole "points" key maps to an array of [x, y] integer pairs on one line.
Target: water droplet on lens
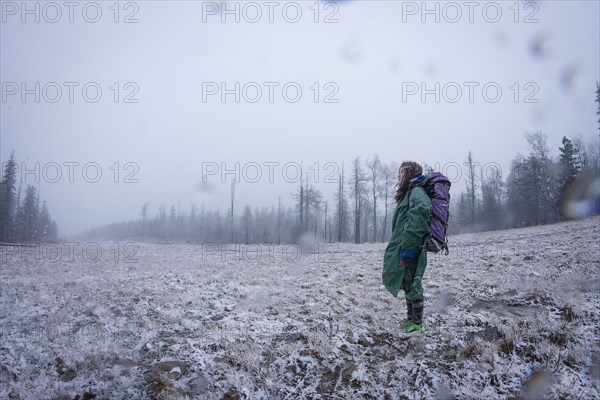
{"points": [[582, 197], [539, 46], [568, 78], [501, 39], [351, 51]]}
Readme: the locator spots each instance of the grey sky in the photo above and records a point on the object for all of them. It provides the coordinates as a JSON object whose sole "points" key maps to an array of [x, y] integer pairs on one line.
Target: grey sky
{"points": [[376, 49]]}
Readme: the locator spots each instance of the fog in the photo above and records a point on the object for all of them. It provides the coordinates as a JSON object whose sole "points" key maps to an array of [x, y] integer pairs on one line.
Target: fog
{"points": [[110, 106]]}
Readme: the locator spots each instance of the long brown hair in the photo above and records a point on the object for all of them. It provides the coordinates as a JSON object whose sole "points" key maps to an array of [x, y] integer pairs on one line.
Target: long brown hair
{"points": [[411, 170]]}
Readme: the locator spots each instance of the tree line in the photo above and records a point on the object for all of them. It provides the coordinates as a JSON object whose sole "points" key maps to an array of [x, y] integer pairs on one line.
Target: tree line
{"points": [[354, 214], [361, 210], [534, 192], [537, 190], [22, 218], [362, 206]]}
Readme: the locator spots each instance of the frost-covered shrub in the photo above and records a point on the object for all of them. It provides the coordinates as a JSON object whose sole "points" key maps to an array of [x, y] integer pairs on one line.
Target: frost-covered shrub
{"points": [[474, 349], [559, 335], [575, 355], [569, 312], [511, 337]]}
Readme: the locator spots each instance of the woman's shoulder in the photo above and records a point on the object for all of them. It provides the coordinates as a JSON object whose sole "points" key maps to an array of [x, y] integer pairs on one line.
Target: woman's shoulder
{"points": [[418, 192], [419, 189]]}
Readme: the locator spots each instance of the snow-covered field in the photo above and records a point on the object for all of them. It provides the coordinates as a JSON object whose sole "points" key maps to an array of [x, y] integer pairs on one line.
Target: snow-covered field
{"points": [[510, 314]]}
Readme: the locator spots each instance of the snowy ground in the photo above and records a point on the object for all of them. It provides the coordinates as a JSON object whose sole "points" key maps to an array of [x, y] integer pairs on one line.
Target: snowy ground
{"points": [[510, 314]]}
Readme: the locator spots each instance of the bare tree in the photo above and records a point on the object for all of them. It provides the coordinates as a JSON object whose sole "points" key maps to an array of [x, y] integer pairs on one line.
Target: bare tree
{"points": [[279, 220], [341, 213], [357, 180], [172, 222], [144, 214], [375, 177], [326, 227], [231, 214], [192, 224], [299, 197], [491, 215], [387, 184], [162, 217], [472, 187], [593, 155]]}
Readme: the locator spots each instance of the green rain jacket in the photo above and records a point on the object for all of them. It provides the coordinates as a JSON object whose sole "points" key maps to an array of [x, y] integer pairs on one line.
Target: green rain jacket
{"points": [[410, 226]]}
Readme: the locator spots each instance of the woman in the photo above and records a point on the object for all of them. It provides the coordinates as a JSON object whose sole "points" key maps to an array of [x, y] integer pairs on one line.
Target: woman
{"points": [[405, 256]]}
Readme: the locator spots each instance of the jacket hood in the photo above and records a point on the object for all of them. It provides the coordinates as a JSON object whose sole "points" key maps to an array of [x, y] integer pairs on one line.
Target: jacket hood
{"points": [[418, 180]]}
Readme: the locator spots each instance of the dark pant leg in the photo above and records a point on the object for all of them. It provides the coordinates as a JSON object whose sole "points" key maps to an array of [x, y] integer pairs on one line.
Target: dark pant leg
{"points": [[414, 287]]}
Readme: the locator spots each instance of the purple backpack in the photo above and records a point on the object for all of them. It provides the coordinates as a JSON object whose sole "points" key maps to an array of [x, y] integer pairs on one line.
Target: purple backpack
{"points": [[437, 188]]}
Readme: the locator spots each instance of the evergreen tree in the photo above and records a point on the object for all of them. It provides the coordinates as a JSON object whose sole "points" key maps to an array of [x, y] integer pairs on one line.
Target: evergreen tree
{"points": [[544, 178], [52, 231], [30, 215], [568, 166], [581, 155], [7, 199], [516, 206], [44, 223], [533, 185]]}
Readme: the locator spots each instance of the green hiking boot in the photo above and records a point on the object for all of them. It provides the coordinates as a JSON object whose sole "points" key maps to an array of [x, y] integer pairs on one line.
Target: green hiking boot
{"points": [[404, 324], [413, 328]]}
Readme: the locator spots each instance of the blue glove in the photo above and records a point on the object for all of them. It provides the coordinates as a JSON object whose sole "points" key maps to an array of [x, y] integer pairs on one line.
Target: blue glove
{"points": [[407, 255]]}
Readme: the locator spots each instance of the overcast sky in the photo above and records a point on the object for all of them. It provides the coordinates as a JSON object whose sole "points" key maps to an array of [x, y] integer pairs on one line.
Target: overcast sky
{"points": [[365, 63]]}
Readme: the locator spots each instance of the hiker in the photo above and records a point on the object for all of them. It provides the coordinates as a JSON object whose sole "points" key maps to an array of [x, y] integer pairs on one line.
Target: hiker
{"points": [[405, 256]]}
